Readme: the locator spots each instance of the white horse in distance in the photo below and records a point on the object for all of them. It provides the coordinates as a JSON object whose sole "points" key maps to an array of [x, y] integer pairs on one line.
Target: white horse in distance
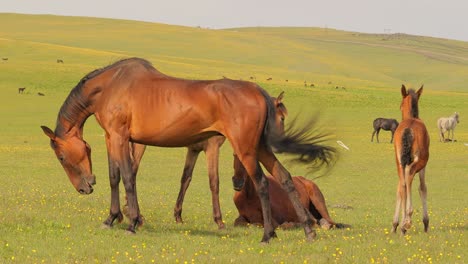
{"points": [[447, 124]]}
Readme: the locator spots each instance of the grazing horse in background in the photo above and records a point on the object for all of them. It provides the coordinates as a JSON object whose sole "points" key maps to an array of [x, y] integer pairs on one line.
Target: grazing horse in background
{"points": [[412, 153], [282, 211], [447, 124], [21, 90], [59, 61], [137, 105], [387, 124]]}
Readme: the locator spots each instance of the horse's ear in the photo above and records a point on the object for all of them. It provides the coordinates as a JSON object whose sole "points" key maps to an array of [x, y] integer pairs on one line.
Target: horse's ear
{"points": [[419, 92], [403, 91], [48, 132], [280, 97]]}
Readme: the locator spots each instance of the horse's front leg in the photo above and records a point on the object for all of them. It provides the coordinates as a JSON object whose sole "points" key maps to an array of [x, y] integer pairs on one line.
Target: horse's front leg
{"points": [[120, 156], [136, 151], [114, 179], [271, 163]]}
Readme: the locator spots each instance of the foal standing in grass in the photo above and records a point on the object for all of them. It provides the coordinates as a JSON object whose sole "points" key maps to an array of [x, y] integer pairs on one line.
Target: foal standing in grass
{"points": [[412, 153]]}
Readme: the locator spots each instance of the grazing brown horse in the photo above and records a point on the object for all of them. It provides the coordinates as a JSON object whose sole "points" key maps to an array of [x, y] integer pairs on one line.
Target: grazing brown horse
{"points": [[412, 153], [137, 105], [282, 211], [21, 90], [211, 149]]}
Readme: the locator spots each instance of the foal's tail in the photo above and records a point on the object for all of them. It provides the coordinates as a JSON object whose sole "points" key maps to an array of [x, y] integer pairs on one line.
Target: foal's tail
{"points": [[407, 142], [304, 141]]}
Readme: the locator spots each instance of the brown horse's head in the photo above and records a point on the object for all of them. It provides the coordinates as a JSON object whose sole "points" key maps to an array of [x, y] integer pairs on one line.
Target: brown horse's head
{"points": [[409, 104], [281, 111], [75, 156]]}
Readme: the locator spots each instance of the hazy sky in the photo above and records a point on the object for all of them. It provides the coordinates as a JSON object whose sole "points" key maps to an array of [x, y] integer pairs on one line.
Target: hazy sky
{"points": [[438, 18]]}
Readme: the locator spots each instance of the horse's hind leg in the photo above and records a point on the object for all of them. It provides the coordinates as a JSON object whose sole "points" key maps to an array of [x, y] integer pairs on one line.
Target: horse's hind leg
{"points": [[372, 138], [441, 135], [190, 160], [255, 172], [318, 201], [423, 195], [271, 163], [406, 223], [212, 156], [399, 197]]}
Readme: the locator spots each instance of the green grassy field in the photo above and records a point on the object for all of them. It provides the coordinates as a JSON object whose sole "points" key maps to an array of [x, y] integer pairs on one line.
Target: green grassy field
{"points": [[44, 220]]}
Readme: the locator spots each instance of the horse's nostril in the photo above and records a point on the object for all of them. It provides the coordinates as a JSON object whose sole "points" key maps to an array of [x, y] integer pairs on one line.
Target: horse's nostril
{"points": [[81, 191]]}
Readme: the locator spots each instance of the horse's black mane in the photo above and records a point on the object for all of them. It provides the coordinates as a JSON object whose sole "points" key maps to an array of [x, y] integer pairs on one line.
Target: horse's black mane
{"points": [[414, 103], [77, 103]]}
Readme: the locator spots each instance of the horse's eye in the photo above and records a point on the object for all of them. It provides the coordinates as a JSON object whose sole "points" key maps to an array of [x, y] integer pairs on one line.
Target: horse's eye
{"points": [[282, 118], [61, 158]]}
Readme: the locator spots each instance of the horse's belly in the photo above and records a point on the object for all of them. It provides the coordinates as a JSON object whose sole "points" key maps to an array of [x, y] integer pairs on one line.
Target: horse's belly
{"points": [[175, 130], [163, 139]]}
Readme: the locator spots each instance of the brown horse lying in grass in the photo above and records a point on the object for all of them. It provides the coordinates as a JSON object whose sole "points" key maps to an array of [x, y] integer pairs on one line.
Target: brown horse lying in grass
{"points": [[282, 211]]}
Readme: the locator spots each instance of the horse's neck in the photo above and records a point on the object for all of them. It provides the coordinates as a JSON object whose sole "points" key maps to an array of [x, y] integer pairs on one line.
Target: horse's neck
{"points": [[73, 114], [409, 114]]}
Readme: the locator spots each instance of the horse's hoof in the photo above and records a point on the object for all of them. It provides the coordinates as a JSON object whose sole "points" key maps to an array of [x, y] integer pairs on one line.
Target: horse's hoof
{"points": [[407, 225], [310, 237], [324, 224], [105, 226]]}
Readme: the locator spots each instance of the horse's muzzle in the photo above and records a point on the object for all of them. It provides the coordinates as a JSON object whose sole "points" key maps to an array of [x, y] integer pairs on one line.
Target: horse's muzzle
{"points": [[86, 185]]}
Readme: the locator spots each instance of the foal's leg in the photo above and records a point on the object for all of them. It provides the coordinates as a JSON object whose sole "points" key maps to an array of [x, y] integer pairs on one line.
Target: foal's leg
{"points": [[271, 163], [190, 160], [377, 135], [212, 157], [372, 138], [423, 195], [399, 196], [409, 206]]}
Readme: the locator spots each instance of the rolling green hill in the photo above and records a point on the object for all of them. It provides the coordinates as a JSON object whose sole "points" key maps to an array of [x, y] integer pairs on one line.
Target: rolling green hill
{"points": [[314, 55]]}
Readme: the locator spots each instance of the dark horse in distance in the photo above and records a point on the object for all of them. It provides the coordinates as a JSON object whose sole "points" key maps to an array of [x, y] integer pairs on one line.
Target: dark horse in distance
{"points": [[387, 124], [137, 105]]}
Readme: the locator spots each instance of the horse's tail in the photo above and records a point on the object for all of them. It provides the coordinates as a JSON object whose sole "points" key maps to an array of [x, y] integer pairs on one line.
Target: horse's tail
{"points": [[306, 141], [407, 142]]}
